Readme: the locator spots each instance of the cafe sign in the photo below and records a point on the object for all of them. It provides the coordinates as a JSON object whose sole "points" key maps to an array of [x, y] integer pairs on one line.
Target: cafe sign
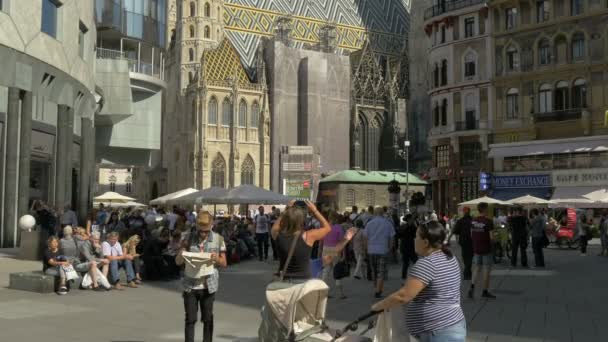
{"points": [[581, 177]]}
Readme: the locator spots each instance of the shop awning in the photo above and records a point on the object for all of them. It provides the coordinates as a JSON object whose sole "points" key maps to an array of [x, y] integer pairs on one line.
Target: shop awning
{"points": [[511, 193], [532, 148], [580, 197]]}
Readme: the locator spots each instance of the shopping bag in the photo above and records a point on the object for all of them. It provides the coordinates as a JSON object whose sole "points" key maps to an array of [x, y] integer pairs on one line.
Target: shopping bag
{"points": [[70, 272], [102, 280], [86, 281]]}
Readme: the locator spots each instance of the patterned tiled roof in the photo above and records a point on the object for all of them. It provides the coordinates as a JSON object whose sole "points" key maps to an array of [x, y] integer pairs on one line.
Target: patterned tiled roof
{"points": [[223, 62], [384, 22]]}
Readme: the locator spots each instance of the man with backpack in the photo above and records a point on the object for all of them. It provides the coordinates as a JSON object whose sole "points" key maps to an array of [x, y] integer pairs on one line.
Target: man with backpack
{"points": [[463, 230]]}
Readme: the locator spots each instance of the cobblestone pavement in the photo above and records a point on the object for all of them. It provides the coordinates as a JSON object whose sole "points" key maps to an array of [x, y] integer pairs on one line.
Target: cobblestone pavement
{"points": [[565, 302]]}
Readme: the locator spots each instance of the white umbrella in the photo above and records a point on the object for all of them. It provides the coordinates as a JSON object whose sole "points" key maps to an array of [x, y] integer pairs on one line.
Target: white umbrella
{"points": [[162, 200], [122, 204], [485, 199], [111, 197], [529, 200]]}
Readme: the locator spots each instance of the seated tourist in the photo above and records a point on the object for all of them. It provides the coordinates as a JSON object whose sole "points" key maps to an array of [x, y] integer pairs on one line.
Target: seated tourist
{"points": [[154, 262], [91, 257], [52, 263], [68, 246], [130, 248], [112, 250]]}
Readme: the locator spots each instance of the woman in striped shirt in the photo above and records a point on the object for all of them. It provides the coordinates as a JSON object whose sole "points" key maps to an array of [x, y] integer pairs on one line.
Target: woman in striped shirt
{"points": [[432, 290]]}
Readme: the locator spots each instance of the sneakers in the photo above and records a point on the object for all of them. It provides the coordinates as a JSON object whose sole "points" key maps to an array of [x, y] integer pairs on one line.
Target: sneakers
{"points": [[487, 295], [62, 291]]}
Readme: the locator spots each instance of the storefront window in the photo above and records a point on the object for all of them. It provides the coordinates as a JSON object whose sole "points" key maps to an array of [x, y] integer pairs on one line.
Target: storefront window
{"points": [[442, 156], [469, 188]]}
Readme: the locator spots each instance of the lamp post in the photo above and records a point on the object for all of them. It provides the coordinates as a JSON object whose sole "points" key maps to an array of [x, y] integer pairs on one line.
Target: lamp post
{"points": [[405, 154]]}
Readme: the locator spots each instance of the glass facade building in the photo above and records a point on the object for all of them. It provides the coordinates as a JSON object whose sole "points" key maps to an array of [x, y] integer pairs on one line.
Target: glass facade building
{"points": [[144, 20]]}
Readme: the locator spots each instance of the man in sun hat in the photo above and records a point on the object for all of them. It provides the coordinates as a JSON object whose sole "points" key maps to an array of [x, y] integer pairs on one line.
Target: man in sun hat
{"points": [[463, 230], [201, 291]]}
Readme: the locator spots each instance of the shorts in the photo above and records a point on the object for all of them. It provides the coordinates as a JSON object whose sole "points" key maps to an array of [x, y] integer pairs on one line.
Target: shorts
{"points": [[483, 259], [82, 267], [378, 264]]}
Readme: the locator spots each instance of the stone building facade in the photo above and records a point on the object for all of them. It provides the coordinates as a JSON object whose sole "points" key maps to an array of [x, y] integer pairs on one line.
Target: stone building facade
{"points": [[291, 66], [461, 69], [47, 107]]}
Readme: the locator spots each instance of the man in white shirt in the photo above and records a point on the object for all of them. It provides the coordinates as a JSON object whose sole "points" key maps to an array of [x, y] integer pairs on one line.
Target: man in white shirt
{"points": [[262, 229], [112, 250]]}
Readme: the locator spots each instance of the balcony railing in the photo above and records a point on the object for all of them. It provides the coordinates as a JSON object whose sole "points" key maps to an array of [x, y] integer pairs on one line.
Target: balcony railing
{"points": [[467, 125], [137, 64], [447, 6], [558, 115]]}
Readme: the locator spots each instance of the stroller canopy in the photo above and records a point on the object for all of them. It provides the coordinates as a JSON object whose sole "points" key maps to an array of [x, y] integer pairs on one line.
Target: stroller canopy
{"points": [[304, 303]]}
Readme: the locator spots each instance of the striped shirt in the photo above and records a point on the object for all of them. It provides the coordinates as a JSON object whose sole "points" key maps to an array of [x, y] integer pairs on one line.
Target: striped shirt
{"points": [[438, 305]]}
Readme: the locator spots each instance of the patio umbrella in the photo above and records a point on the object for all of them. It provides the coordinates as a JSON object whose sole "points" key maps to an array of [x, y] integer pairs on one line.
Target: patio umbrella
{"points": [[529, 200], [485, 199], [162, 200], [126, 204], [206, 196], [250, 194], [111, 197]]}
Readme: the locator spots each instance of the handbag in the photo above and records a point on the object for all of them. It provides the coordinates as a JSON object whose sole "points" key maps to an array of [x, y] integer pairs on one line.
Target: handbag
{"points": [[341, 270], [70, 272]]}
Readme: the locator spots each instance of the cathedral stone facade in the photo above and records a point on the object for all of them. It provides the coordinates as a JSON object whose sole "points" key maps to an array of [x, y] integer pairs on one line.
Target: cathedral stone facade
{"points": [[248, 77]]}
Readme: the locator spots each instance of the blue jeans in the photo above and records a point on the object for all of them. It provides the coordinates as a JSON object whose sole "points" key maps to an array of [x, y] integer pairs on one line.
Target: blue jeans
{"points": [[115, 265], [453, 333]]}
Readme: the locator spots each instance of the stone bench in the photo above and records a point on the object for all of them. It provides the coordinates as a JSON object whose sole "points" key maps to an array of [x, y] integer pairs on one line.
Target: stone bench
{"points": [[37, 281]]}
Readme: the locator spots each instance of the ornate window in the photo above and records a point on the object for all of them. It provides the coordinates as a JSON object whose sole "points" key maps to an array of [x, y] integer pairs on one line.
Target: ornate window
{"points": [[442, 156], [544, 55], [207, 10], [370, 197], [436, 75], [543, 10], [469, 65], [192, 9], [248, 171], [212, 112], [218, 172], [579, 94], [191, 31], [444, 112], [578, 46], [512, 58], [254, 118], [561, 95], [469, 188], [470, 154], [512, 103], [207, 32], [469, 27], [191, 54], [243, 114], [226, 112], [544, 99], [350, 198], [510, 18], [444, 72]]}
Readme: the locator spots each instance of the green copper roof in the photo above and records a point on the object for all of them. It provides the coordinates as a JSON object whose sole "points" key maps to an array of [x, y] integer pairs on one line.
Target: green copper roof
{"points": [[374, 177]]}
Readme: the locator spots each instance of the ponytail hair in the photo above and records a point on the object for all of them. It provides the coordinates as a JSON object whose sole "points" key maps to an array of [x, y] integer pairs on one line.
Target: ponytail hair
{"points": [[435, 234]]}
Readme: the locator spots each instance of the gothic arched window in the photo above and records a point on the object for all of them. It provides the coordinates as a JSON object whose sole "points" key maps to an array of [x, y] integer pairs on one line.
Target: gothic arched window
{"points": [[218, 172], [243, 114], [212, 112], [191, 31], [207, 10], [207, 32], [248, 171], [192, 9], [255, 115], [226, 112], [191, 54]]}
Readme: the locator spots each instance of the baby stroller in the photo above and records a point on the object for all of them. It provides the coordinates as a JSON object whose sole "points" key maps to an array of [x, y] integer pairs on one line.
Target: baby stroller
{"points": [[296, 313]]}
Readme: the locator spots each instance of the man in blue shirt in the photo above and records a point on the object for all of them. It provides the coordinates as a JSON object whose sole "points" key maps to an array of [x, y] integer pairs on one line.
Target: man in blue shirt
{"points": [[379, 233]]}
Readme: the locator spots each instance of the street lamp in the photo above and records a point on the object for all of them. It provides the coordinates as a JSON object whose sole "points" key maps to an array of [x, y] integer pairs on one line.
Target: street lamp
{"points": [[405, 154]]}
